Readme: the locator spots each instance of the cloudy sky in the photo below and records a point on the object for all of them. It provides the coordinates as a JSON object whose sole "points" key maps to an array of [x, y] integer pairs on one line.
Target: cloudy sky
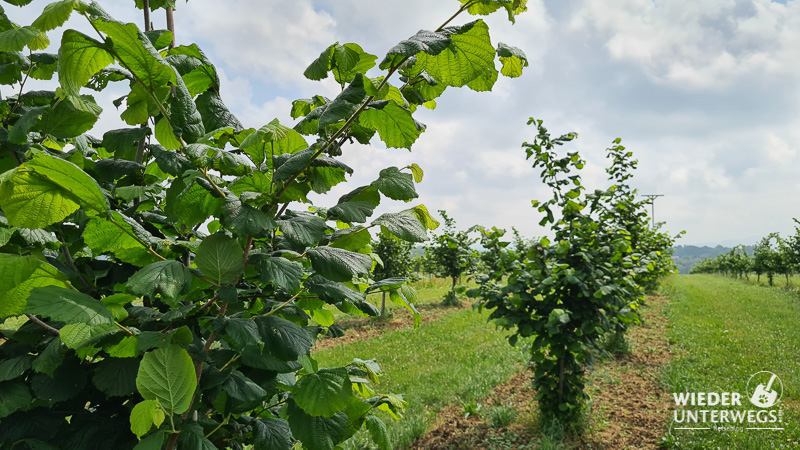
{"points": [[704, 92]]}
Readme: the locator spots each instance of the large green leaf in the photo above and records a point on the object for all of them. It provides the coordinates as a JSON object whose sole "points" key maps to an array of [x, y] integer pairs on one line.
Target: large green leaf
{"points": [[214, 113], [14, 396], [466, 59], [14, 367], [349, 60], [103, 236], [323, 393], [54, 15], [18, 276], [272, 140], [333, 292], [378, 432], [284, 339], [70, 117], [317, 433], [15, 40], [192, 204], [303, 229], [243, 393], [167, 375], [319, 68], [168, 278], [429, 42], [337, 264], [116, 377], [281, 273], [245, 220], [405, 225], [68, 306], [396, 185], [80, 57], [220, 258], [394, 123], [186, 121], [345, 104], [272, 434], [356, 206], [136, 53]]}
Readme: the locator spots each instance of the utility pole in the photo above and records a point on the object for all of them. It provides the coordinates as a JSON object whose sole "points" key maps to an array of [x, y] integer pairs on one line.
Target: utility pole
{"points": [[653, 198]]}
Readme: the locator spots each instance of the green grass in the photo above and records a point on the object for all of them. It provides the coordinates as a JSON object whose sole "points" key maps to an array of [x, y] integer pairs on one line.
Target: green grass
{"points": [[448, 361], [727, 330]]}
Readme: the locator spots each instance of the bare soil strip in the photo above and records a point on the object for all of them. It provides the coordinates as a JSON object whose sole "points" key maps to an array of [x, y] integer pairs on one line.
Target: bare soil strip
{"points": [[629, 406]]}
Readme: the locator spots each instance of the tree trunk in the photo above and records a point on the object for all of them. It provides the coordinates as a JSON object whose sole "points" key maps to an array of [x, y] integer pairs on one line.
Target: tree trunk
{"points": [[383, 304]]}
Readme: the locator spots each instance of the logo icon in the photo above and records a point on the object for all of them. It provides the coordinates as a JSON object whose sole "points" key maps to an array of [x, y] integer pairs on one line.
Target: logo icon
{"points": [[765, 395]]}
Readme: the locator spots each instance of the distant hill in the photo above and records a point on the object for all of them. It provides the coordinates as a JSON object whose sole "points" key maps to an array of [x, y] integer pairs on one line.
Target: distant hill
{"points": [[687, 256]]}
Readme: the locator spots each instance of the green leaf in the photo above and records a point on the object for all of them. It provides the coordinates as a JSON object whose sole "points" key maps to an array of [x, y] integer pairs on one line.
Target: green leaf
{"points": [[168, 278], [333, 292], [429, 42], [68, 306], [243, 393], [345, 104], [349, 60], [220, 258], [165, 135], [323, 393], [54, 15], [102, 236], [356, 206], [214, 113], [186, 121], [15, 40], [23, 126], [315, 308], [318, 69], [284, 339], [14, 367], [286, 168], [417, 172], [14, 396], [116, 377], [353, 239], [304, 229], [339, 265], [50, 358], [405, 225], [317, 433], [18, 276], [70, 117], [396, 185], [79, 58], [124, 139], [377, 429], [281, 273], [466, 59], [167, 375], [192, 204], [153, 442], [243, 332], [394, 123], [137, 54], [144, 415], [78, 335], [513, 60], [272, 434], [244, 219]]}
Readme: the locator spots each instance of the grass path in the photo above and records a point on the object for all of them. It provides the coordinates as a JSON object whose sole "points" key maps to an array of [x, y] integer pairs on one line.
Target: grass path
{"points": [[726, 331], [449, 361]]}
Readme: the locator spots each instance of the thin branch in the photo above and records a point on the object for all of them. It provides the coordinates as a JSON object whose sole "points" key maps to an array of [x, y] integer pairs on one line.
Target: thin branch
{"points": [[47, 327], [71, 264]]}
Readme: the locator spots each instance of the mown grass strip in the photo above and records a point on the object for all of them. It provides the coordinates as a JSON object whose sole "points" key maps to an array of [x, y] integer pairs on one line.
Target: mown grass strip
{"points": [[728, 330], [452, 360]]}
